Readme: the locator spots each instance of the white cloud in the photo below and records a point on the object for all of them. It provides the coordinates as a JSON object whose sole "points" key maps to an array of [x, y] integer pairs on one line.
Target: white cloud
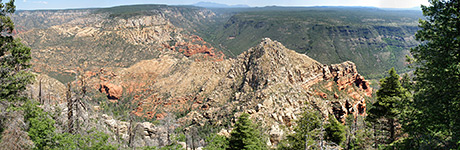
{"points": [[24, 1]]}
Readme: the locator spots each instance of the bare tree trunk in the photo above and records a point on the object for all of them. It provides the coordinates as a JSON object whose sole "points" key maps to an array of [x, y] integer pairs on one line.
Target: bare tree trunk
{"points": [[130, 130], [77, 112], [391, 121], [193, 141], [186, 139], [69, 108], [79, 101], [118, 134], [40, 91], [375, 137], [169, 140]]}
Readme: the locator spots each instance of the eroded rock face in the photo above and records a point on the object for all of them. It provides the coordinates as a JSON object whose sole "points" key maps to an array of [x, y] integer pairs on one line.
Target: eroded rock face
{"points": [[144, 133], [63, 38], [276, 134], [113, 91], [363, 84], [270, 82], [346, 74], [273, 84]]}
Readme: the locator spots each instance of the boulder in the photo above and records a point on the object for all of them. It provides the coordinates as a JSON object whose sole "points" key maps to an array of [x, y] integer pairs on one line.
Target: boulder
{"points": [[336, 96], [276, 134], [111, 90]]}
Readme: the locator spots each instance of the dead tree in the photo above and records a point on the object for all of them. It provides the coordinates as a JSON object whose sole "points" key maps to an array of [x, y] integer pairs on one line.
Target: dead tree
{"points": [[69, 108], [40, 92], [79, 100], [131, 131], [75, 105]]}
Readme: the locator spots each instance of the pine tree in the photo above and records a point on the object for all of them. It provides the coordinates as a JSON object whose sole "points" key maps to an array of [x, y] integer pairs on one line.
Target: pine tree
{"points": [[387, 106], [245, 136], [435, 122], [216, 142], [306, 134], [14, 76], [14, 58], [335, 131]]}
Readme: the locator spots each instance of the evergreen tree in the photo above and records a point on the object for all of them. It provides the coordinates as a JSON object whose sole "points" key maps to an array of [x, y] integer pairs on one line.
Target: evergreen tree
{"points": [[245, 136], [14, 76], [14, 58], [358, 136], [216, 142], [306, 134], [435, 122], [387, 106], [406, 82], [335, 131]]}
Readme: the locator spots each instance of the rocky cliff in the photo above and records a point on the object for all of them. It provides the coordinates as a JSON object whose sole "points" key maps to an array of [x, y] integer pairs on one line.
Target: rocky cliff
{"points": [[274, 84], [270, 82], [64, 40]]}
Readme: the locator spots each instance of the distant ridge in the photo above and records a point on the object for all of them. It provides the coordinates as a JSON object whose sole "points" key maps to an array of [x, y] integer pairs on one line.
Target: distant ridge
{"points": [[418, 8], [217, 5]]}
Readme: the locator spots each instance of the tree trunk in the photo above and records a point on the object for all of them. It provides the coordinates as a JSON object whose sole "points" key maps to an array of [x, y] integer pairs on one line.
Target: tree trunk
{"points": [[391, 121], [69, 109], [130, 130], [375, 137], [40, 91]]}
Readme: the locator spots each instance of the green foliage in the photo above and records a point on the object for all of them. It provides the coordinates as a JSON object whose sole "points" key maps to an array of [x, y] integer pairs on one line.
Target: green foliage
{"points": [[14, 59], [358, 135], [406, 82], [388, 106], [92, 140], [435, 121], [41, 126], [216, 142], [181, 137], [388, 97], [307, 130], [335, 131], [42, 132], [173, 146], [245, 136]]}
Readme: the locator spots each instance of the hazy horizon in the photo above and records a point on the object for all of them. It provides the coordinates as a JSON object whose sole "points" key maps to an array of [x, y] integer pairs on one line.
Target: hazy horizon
{"points": [[70, 4]]}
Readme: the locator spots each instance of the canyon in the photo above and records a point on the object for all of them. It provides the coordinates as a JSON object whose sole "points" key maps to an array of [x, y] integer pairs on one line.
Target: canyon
{"points": [[156, 64]]}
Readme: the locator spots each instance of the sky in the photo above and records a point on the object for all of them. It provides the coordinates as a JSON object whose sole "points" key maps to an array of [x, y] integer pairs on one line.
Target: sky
{"points": [[65, 4]]}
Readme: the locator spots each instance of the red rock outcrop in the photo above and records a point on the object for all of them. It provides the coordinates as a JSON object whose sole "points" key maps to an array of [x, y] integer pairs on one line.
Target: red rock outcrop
{"points": [[113, 91], [336, 96], [321, 94], [363, 84], [197, 46], [195, 49], [345, 74]]}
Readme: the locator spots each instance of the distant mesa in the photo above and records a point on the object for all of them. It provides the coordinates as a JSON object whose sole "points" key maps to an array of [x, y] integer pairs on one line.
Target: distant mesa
{"points": [[217, 5]]}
